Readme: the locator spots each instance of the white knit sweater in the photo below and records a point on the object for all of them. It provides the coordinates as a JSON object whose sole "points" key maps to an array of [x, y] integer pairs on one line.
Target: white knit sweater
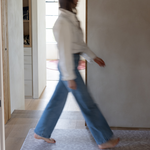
{"points": [[69, 39]]}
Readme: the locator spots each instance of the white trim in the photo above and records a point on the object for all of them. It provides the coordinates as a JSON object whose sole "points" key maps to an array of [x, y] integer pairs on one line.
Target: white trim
{"points": [[2, 128], [35, 47]]}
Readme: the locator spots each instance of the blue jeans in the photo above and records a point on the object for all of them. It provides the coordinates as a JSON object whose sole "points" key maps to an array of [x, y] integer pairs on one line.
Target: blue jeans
{"points": [[92, 115]]}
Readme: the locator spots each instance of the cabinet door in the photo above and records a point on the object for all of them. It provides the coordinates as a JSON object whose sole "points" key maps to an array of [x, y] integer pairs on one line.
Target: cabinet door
{"points": [[28, 88], [28, 72], [27, 60], [28, 51]]}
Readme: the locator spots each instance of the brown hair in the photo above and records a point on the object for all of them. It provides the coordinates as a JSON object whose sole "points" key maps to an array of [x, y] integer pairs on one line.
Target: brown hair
{"points": [[68, 5]]}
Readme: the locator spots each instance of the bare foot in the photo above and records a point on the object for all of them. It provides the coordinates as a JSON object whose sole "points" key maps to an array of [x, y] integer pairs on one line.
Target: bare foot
{"points": [[110, 144], [45, 139]]}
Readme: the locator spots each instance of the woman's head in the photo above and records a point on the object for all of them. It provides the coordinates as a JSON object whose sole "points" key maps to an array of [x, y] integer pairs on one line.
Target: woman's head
{"points": [[69, 5]]}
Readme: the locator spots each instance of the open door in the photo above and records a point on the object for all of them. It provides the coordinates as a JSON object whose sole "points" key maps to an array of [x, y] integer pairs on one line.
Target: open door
{"points": [[2, 130]]}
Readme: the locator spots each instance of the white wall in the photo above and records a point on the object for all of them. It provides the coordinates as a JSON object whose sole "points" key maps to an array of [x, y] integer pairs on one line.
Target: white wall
{"points": [[82, 17], [119, 32], [51, 51], [35, 49], [38, 47], [41, 45], [82, 14], [16, 54]]}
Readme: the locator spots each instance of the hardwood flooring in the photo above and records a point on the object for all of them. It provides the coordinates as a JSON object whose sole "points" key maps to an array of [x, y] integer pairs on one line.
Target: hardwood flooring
{"points": [[21, 121], [40, 104]]}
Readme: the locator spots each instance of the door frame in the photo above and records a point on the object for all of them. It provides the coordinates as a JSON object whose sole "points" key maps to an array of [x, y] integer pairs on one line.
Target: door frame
{"points": [[2, 128], [5, 61], [86, 33]]}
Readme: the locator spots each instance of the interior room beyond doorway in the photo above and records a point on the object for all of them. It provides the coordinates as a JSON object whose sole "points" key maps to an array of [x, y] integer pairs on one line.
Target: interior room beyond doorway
{"points": [[52, 57]]}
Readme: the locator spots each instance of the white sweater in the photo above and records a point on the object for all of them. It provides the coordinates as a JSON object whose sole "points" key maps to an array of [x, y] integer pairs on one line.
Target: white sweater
{"points": [[69, 39]]}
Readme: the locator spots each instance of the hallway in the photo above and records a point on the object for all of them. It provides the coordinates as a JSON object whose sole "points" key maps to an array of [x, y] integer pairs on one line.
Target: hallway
{"points": [[40, 104]]}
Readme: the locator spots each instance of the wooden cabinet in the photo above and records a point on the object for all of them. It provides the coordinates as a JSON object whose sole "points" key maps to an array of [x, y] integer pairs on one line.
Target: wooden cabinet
{"points": [[28, 75], [27, 23]]}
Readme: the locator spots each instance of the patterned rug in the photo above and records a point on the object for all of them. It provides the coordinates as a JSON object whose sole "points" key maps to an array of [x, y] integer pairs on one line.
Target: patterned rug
{"points": [[81, 139], [52, 64]]}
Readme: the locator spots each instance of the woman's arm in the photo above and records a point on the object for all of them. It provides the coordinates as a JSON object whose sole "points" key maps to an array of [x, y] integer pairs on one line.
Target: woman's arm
{"points": [[90, 56], [87, 53]]}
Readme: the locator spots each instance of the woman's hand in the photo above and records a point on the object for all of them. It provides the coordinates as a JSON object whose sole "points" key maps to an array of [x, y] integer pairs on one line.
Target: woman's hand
{"points": [[72, 84], [99, 61]]}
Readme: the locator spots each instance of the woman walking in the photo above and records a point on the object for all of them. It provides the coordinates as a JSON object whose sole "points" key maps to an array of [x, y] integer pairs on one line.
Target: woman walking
{"points": [[69, 37]]}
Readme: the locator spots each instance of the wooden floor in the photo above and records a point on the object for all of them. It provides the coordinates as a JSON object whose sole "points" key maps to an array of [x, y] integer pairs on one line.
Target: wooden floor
{"points": [[40, 104], [22, 120]]}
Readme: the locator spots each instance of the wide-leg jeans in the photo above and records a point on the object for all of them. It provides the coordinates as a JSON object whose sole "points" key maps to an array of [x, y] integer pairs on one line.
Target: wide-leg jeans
{"points": [[96, 122]]}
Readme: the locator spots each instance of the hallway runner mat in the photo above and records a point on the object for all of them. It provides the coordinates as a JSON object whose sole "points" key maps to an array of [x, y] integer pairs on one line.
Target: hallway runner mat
{"points": [[81, 139]]}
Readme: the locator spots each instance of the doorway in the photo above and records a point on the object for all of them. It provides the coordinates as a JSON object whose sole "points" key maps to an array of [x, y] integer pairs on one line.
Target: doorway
{"points": [[52, 56]]}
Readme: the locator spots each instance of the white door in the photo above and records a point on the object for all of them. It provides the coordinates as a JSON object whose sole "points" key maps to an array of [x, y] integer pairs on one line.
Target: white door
{"points": [[2, 131]]}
